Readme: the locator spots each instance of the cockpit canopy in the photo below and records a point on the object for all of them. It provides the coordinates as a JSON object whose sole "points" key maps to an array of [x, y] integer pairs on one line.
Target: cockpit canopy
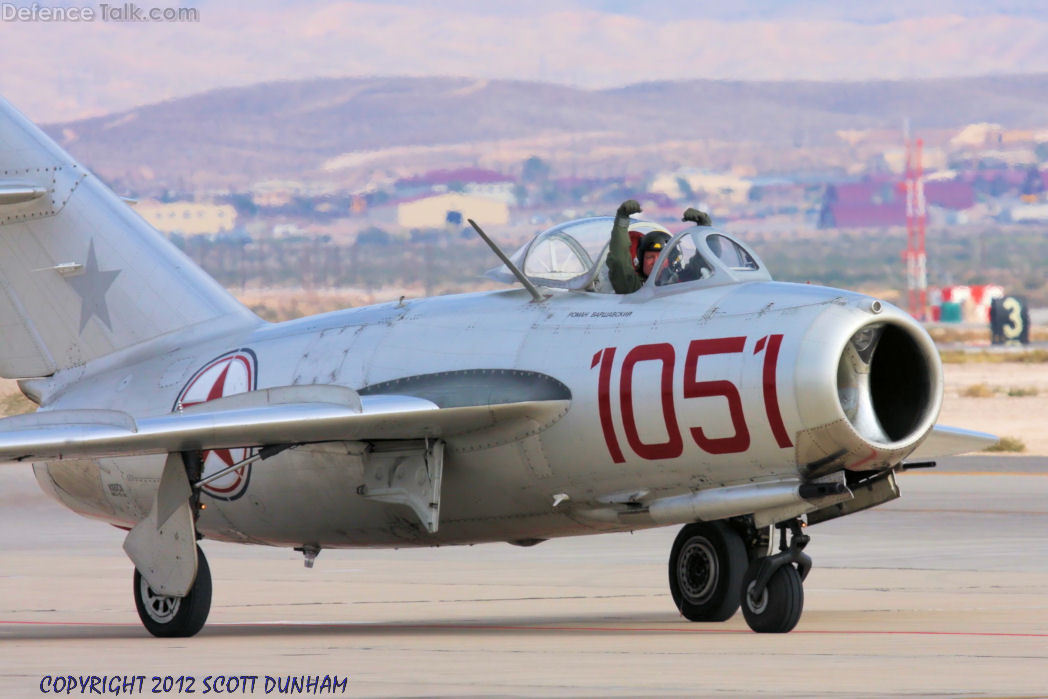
{"points": [[572, 255]]}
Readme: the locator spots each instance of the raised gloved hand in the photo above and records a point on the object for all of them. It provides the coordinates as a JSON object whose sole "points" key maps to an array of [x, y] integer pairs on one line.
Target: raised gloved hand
{"points": [[699, 218], [628, 207]]}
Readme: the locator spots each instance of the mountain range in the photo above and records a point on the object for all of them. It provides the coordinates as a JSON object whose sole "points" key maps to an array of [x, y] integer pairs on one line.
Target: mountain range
{"points": [[353, 127]]}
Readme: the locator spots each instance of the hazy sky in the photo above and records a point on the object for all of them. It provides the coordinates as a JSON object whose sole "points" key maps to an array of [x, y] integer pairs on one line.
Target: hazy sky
{"points": [[62, 70]]}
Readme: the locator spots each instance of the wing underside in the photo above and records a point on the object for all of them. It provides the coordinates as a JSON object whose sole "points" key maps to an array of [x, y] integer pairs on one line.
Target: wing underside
{"points": [[289, 415]]}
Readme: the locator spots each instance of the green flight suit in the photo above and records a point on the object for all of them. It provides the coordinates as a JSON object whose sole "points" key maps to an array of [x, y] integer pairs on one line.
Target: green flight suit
{"points": [[623, 275]]}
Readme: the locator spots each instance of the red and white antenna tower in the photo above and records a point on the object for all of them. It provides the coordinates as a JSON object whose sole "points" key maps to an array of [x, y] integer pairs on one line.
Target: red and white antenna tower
{"points": [[916, 220]]}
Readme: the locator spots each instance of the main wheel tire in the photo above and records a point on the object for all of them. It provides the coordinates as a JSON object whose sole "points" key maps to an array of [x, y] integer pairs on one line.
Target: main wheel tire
{"points": [[780, 605], [706, 566], [175, 617]]}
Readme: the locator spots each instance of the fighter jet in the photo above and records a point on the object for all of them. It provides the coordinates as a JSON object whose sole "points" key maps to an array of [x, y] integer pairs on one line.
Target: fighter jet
{"points": [[713, 398]]}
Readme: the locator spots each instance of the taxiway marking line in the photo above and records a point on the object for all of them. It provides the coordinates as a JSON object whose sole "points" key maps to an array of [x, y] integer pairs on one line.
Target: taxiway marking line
{"points": [[512, 627], [932, 472], [955, 511]]}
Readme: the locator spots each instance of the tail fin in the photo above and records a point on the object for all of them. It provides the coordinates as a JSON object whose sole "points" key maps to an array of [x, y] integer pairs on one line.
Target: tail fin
{"points": [[82, 275]]}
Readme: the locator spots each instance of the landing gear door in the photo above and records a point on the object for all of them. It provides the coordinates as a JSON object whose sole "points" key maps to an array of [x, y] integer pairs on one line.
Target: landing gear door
{"points": [[163, 545], [407, 474]]}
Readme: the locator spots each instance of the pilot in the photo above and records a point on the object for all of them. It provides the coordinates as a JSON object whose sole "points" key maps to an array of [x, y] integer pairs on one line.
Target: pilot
{"points": [[624, 275]]}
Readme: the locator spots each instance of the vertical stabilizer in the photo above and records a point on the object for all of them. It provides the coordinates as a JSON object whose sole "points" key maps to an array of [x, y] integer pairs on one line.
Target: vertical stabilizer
{"points": [[81, 274]]}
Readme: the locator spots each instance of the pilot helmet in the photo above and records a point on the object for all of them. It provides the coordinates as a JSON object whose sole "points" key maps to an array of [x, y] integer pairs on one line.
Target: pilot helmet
{"points": [[640, 232], [655, 241]]}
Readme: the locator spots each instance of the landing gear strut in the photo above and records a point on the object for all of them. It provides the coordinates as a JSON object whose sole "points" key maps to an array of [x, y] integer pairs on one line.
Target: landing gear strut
{"points": [[772, 594]]}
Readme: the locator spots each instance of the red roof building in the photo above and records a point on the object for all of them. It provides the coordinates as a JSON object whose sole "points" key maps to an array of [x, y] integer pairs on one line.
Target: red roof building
{"points": [[883, 204]]}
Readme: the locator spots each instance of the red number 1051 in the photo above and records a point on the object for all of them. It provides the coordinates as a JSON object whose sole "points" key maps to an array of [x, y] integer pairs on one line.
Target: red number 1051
{"points": [[693, 388]]}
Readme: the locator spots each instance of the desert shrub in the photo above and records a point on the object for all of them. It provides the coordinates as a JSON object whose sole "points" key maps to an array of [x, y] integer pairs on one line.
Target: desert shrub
{"points": [[979, 390], [1008, 444]]}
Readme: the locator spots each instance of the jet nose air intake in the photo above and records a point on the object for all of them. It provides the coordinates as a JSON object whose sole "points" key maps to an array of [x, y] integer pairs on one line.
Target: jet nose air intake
{"points": [[869, 388], [887, 383]]}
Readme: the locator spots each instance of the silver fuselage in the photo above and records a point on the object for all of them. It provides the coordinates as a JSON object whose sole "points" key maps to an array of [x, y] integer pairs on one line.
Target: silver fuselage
{"points": [[682, 432]]}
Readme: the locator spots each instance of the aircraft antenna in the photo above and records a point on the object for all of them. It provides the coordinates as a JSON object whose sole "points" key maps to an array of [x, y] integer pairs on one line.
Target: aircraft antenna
{"points": [[532, 289]]}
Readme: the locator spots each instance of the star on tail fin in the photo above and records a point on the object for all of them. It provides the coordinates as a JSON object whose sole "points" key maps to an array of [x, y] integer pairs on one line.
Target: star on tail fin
{"points": [[82, 275]]}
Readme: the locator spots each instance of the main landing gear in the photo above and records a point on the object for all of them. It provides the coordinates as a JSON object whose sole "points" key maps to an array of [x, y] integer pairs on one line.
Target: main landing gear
{"points": [[710, 578], [175, 617], [706, 566]]}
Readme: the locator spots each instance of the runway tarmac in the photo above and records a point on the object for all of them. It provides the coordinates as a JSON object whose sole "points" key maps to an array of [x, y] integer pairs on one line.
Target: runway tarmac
{"points": [[939, 593]]}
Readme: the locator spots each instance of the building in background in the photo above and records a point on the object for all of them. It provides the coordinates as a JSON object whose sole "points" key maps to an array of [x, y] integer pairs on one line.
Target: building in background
{"points": [[472, 180], [453, 209], [187, 217], [880, 203], [717, 189]]}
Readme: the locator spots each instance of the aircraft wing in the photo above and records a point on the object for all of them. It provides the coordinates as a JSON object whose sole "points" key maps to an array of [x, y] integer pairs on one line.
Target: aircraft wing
{"points": [[275, 416], [950, 441]]}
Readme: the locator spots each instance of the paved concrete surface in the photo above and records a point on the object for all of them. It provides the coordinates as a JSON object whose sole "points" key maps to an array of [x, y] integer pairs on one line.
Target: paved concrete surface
{"points": [[940, 593]]}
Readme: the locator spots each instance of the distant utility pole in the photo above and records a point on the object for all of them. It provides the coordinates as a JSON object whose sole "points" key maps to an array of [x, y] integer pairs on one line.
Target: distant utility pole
{"points": [[916, 221]]}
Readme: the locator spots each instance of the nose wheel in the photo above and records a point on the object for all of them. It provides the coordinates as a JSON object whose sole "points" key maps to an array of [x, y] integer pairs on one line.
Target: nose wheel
{"points": [[175, 617], [772, 590], [706, 566]]}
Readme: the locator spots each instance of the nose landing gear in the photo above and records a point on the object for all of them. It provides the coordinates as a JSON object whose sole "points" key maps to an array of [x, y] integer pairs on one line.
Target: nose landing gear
{"points": [[772, 593]]}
